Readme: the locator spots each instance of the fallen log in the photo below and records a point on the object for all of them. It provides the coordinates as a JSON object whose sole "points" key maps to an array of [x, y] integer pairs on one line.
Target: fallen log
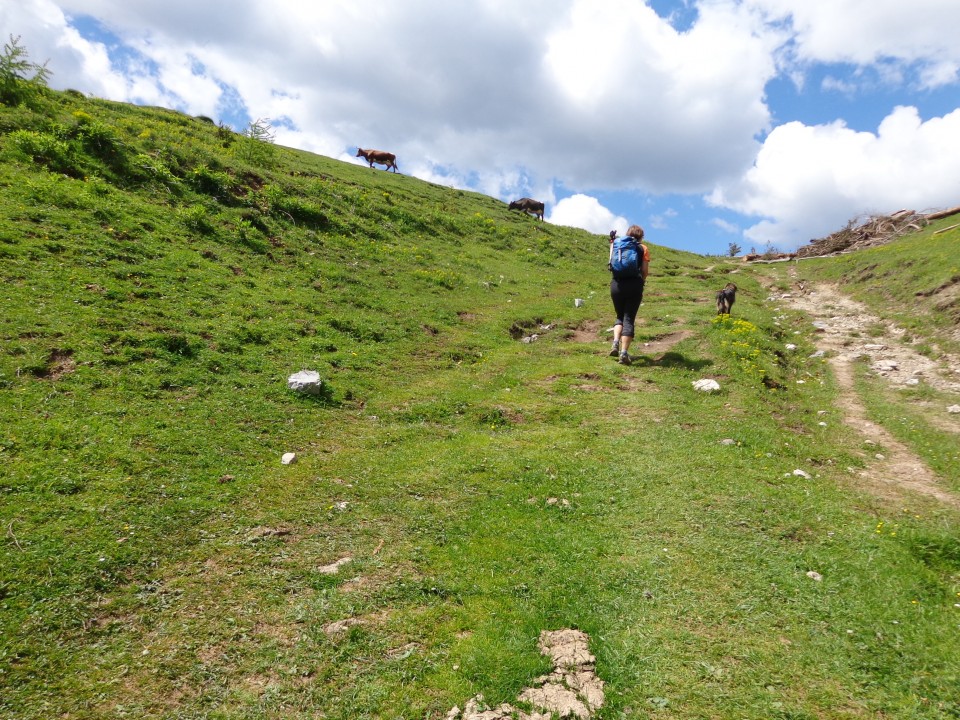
{"points": [[943, 213]]}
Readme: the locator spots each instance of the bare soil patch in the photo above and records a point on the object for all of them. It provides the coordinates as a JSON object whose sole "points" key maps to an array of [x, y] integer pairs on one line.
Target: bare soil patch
{"points": [[663, 343], [587, 332], [59, 363]]}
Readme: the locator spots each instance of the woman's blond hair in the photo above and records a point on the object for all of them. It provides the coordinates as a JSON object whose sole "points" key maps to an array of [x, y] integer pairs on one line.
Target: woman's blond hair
{"points": [[635, 231]]}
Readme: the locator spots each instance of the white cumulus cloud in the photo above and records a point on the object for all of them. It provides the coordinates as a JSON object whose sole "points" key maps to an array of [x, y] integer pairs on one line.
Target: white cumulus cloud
{"points": [[812, 180], [586, 212]]}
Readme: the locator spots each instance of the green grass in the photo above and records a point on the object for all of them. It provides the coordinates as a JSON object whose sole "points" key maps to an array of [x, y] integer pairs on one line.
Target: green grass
{"points": [[158, 561]]}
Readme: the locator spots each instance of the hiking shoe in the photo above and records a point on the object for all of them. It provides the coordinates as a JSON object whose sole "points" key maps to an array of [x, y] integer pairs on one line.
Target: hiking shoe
{"points": [[625, 359], [615, 349]]}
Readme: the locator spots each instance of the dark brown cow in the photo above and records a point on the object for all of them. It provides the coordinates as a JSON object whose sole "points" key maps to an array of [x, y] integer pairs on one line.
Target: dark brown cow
{"points": [[534, 207], [380, 157]]}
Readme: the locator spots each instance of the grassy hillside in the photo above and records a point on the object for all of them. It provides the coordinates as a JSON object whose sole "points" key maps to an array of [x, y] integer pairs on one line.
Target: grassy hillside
{"points": [[161, 279]]}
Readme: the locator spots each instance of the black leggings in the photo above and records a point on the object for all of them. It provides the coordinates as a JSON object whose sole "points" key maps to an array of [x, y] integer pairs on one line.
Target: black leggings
{"points": [[627, 294]]}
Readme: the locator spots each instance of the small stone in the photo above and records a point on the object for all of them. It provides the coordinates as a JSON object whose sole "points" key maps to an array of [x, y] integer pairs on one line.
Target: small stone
{"points": [[814, 575], [578, 302], [818, 354], [953, 409], [801, 473], [790, 346], [288, 458], [728, 441], [880, 456]]}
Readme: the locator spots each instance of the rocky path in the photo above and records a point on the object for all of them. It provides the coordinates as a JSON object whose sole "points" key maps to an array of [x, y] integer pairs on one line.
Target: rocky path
{"points": [[842, 323]]}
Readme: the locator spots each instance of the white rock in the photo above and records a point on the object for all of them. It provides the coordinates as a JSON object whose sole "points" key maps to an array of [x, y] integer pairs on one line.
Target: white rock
{"points": [[874, 347], [953, 409], [818, 354], [306, 381], [706, 385], [790, 346], [814, 575], [728, 441], [578, 302], [801, 473], [912, 381], [288, 458]]}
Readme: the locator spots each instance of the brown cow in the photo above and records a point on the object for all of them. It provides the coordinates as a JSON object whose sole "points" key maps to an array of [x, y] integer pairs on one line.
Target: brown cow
{"points": [[534, 207], [380, 157]]}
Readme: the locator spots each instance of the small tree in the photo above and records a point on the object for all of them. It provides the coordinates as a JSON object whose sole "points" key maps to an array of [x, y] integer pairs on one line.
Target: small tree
{"points": [[733, 250], [19, 78], [260, 129], [257, 147]]}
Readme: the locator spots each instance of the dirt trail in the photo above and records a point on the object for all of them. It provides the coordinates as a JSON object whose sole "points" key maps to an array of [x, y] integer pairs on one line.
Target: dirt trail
{"points": [[841, 322]]}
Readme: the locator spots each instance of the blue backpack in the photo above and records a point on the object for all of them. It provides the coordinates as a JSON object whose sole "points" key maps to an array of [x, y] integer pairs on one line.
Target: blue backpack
{"points": [[625, 257]]}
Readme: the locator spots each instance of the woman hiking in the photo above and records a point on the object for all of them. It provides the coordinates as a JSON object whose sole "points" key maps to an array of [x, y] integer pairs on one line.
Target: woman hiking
{"points": [[630, 264]]}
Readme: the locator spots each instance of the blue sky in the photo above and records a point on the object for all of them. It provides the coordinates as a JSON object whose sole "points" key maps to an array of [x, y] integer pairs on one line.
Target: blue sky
{"points": [[764, 123]]}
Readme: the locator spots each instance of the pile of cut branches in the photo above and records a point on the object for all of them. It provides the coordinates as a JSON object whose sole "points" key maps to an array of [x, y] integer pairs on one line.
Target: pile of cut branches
{"points": [[860, 234]]}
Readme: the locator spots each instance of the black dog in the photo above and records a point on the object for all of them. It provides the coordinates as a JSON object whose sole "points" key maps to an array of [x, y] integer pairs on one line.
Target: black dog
{"points": [[725, 299]]}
